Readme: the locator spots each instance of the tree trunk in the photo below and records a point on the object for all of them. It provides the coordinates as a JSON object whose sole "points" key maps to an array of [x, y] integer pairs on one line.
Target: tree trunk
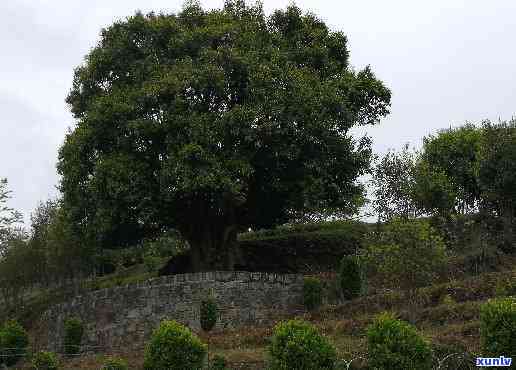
{"points": [[213, 248]]}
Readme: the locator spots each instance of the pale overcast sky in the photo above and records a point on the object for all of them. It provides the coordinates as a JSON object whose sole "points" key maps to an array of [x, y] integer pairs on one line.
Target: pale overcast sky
{"points": [[446, 61]]}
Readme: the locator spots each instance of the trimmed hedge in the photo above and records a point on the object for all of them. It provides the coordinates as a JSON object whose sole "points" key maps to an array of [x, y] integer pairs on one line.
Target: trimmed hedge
{"points": [[174, 347], [297, 345], [395, 344], [301, 248], [498, 327]]}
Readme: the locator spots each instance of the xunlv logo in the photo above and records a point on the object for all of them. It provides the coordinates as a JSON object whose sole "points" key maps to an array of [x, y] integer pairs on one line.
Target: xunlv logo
{"points": [[493, 361]]}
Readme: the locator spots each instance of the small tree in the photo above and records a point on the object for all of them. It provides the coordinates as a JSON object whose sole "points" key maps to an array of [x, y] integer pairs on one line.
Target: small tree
{"points": [[350, 277], [208, 313], [174, 347], [296, 345], [73, 332], [394, 344], [393, 182], [312, 293], [8, 217]]}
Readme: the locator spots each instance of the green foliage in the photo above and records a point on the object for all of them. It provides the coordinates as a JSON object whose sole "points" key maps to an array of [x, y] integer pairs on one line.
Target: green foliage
{"points": [[8, 216], [174, 347], [351, 277], [291, 248], [44, 360], [498, 327], [218, 362], [73, 332], [497, 176], [406, 254], [205, 105], [447, 170], [296, 345], [312, 293], [151, 262], [208, 314], [393, 344], [13, 343], [115, 363], [393, 181]]}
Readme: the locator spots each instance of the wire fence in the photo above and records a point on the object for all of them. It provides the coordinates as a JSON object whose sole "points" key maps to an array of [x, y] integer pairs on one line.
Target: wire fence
{"points": [[453, 361]]}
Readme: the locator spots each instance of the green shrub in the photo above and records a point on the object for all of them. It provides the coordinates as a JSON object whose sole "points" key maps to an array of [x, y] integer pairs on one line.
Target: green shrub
{"points": [[115, 363], [44, 360], [73, 332], [13, 343], [218, 362], [395, 344], [312, 293], [208, 314], [296, 344], [172, 347], [350, 277], [406, 254], [498, 326]]}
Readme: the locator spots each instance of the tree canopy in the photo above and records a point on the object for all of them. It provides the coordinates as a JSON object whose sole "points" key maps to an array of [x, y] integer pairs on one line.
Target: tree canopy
{"points": [[210, 121]]}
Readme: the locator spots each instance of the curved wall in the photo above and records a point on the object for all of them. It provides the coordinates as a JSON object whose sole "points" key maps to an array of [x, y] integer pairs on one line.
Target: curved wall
{"points": [[124, 317]]}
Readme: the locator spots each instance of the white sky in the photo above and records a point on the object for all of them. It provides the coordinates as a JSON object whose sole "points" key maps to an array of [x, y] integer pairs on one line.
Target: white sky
{"points": [[446, 61]]}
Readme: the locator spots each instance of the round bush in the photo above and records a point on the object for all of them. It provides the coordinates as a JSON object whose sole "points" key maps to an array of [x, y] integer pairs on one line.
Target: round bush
{"points": [[208, 314], [13, 343], [296, 344], [312, 293], [498, 326], [44, 360], [350, 277], [218, 362], [115, 363], [73, 332], [174, 347], [395, 344]]}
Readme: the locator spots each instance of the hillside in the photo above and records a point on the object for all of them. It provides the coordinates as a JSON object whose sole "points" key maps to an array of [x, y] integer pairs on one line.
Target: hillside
{"points": [[447, 314]]}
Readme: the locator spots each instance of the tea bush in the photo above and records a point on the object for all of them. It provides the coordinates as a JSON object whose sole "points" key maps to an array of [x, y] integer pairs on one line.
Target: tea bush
{"points": [[498, 326], [395, 344], [73, 332], [350, 277], [218, 363], [208, 314], [13, 343], [296, 344], [44, 360], [312, 293], [115, 363], [174, 347]]}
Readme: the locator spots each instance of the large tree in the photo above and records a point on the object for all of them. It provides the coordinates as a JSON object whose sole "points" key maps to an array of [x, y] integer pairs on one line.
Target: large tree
{"points": [[210, 121]]}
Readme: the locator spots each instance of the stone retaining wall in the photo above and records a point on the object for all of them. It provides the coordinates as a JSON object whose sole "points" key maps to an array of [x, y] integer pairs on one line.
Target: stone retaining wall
{"points": [[124, 317]]}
